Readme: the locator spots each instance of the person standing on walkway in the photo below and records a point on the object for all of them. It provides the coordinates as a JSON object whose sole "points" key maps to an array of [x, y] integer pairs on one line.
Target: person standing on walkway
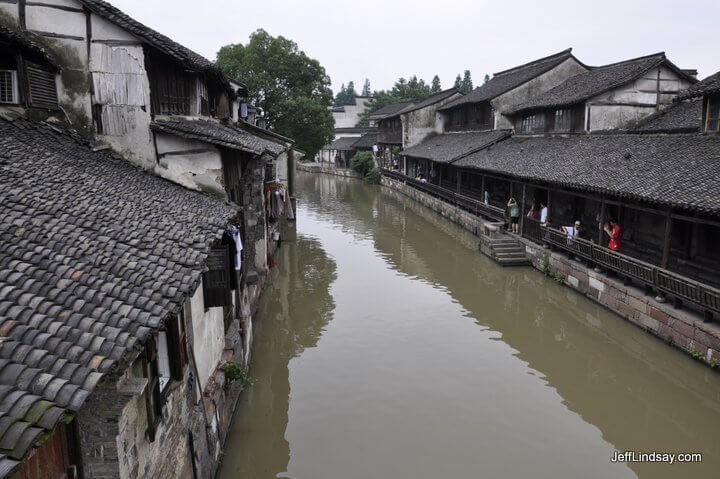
{"points": [[543, 214], [613, 231], [514, 214]]}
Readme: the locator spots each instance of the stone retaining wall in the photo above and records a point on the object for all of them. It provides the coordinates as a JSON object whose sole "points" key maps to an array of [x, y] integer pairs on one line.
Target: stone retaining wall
{"points": [[681, 328], [330, 170]]}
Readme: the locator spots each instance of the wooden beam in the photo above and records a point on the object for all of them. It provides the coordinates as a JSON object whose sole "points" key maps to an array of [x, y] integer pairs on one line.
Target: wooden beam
{"points": [[58, 7]]}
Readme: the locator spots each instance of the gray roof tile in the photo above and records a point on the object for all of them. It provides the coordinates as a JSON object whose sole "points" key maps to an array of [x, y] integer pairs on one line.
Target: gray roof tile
{"points": [[62, 287], [679, 170], [448, 147], [507, 80]]}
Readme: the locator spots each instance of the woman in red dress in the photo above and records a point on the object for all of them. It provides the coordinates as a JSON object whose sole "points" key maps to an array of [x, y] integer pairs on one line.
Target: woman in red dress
{"points": [[613, 231]]}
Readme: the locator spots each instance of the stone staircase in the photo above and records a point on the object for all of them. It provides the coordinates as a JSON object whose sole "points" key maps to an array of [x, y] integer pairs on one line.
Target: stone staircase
{"points": [[507, 251]]}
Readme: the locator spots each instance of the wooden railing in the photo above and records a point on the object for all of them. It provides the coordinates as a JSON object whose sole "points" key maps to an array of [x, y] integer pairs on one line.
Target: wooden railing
{"points": [[461, 201], [661, 279]]}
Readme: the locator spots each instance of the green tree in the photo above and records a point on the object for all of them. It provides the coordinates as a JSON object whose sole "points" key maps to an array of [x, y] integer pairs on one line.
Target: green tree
{"points": [[366, 88], [435, 85], [350, 93], [467, 85], [486, 79], [458, 82], [412, 90], [292, 89], [340, 96]]}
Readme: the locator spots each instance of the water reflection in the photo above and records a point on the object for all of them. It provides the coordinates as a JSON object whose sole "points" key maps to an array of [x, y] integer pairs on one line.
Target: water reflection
{"points": [[294, 310], [389, 347]]}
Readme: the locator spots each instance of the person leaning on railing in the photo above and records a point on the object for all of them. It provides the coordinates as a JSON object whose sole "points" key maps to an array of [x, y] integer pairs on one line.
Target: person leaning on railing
{"points": [[613, 231]]}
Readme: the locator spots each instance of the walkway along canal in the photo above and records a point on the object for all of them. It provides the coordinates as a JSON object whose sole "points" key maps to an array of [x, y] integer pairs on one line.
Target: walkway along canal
{"points": [[387, 346]]}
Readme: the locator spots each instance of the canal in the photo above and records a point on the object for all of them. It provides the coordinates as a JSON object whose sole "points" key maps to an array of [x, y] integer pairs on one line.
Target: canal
{"points": [[387, 346]]}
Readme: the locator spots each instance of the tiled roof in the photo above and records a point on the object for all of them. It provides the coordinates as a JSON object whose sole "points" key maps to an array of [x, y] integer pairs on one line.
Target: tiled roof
{"points": [[598, 80], [187, 57], [708, 86], [431, 100], [388, 110], [366, 141], [343, 144], [507, 80], [448, 147], [95, 253], [680, 117], [217, 133], [27, 42], [678, 170]]}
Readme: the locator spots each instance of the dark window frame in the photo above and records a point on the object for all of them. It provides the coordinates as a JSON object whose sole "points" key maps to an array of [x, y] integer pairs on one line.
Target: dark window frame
{"points": [[712, 114]]}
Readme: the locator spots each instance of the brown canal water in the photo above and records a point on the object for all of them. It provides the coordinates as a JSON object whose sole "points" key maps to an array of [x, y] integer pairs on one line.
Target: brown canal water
{"points": [[387, 346]]}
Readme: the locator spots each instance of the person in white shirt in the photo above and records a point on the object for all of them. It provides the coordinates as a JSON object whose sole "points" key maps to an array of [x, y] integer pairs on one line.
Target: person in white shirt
{"points": [[543, 214]]}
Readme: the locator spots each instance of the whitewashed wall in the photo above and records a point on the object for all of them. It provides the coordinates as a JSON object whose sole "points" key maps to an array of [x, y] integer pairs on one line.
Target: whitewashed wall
{"points": [[532, 88], [351, 115], [208, 337], [619, 107]]}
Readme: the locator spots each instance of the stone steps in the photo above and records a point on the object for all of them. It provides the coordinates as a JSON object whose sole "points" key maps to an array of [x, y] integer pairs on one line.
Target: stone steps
{"points": [[507, 251]]}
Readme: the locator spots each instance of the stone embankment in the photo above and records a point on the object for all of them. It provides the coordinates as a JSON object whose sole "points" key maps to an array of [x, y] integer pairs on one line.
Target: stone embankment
{"points": [[682, 328], [328, 169]]}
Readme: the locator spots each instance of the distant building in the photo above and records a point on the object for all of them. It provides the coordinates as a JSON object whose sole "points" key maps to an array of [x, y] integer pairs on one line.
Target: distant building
{"points": [[348, 116]]}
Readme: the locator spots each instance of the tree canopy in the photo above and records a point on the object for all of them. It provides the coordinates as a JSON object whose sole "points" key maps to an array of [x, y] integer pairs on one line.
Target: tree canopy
{"points": [[435, 85], [466, 85], [346, 95], [366, 88], [404, 90], [292, 89]]}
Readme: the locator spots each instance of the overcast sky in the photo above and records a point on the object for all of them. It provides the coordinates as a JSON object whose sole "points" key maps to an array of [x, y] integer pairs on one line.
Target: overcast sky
{"points": [[386, 39]]}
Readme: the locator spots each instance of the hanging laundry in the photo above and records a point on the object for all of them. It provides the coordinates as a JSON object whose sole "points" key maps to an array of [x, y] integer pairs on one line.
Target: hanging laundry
{"points": [[235, 233]]}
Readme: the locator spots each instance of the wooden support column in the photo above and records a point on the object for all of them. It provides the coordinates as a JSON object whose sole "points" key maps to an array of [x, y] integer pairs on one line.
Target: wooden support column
{"points": [[601, 222], [522, 209], [482, 187], [667, 239], [459, 180]]}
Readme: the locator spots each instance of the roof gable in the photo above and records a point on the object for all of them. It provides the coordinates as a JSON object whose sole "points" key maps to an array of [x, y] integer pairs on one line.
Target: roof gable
{"points": [[164, 44], [512, 78], [596, 81]]}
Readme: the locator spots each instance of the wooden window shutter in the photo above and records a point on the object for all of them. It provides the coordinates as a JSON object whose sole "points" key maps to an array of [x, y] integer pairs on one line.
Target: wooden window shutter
{"points": [[216, 281], [43, 90], [178, 347]]}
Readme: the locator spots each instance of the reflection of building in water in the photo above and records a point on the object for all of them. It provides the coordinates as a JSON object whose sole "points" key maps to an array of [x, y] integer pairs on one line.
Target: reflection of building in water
{"points": [[292, 315]]}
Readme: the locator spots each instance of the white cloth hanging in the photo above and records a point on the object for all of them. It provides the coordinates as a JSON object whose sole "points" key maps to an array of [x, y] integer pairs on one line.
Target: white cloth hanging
{"points": [[235, 233]]}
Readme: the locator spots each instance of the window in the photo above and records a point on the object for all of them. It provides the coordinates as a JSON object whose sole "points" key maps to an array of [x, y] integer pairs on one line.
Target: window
{"points": [[203, 98], [165, 359], [563, 119], [712, 121], [43, 90], [531, 123], [8, 86], [216, 281]]}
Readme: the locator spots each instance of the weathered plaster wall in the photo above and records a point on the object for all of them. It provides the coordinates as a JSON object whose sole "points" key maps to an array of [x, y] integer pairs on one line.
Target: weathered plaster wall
{"points": [[208, 332], [418, 124], [619, 107], [534, 87], [193, 164]]}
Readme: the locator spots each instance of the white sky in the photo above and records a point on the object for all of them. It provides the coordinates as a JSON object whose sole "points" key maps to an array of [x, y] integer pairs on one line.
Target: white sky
{"points": [[385, 39]]}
